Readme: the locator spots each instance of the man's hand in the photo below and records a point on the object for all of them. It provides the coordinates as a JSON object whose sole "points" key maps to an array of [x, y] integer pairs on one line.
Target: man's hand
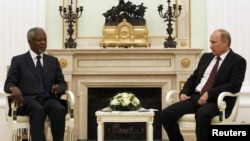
{"points": [[17, 97], [184, 97], [55, 88], [203, 99]]}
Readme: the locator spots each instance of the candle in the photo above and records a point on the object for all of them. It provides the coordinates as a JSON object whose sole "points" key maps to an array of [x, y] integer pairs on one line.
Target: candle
{"points": [[174, 6], [81, 8], [179, 7], [60, 8]]}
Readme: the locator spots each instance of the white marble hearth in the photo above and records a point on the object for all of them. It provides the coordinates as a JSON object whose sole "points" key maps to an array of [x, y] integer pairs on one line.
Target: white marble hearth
{"points": [[124, 67]]}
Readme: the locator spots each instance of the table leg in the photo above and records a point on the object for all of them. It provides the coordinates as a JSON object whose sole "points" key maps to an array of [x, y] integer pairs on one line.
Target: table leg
{"points": [[149, 131], [100, 131]]}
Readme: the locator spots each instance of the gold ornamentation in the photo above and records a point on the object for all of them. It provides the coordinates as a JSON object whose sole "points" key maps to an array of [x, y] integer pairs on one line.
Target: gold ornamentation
{"points": [[183, 43], [63, 63], [151, 119], [125, 35], [99, 119], [185, 62], [124, 32]]}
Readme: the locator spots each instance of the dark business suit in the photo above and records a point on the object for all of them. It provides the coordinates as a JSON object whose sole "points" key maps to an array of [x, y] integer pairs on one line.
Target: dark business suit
{"points": [[22, 73], [229, 78]]}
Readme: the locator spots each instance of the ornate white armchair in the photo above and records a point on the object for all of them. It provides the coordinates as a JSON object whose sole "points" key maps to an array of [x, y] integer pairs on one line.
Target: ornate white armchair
{"points": [[20, 124], [188, 120]]}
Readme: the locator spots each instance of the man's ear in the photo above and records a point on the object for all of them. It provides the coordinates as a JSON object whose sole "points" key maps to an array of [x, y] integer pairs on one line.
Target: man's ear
{"points": [[29, 41], [225, 42]]}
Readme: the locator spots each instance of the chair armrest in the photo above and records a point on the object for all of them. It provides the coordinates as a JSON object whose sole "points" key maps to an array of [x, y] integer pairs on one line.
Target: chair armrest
{"points": [[7, 108], [222, 104], [71, 102], [70, 98], [172, 97], [10, 108]]}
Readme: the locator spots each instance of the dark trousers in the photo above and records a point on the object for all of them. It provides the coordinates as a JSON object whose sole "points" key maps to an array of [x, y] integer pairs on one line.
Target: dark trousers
{"points": [[41, 107], [203, 115]]}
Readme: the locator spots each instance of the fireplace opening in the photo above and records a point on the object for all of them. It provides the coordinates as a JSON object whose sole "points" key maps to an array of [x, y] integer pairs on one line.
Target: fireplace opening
{"points": [[98, 98]]}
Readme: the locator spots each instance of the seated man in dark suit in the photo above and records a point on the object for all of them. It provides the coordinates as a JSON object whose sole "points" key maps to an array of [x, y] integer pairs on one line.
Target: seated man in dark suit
{"points": [[36, 83], [200, 98]]}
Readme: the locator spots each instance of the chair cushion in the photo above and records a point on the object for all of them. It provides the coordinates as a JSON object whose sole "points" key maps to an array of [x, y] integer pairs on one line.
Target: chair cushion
{"points": [[187, 118], [23, 119], [26, 118], [191, 118]]}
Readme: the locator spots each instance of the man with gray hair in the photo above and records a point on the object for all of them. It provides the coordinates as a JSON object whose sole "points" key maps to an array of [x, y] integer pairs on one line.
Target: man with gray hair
{"points": [[35, 82]]}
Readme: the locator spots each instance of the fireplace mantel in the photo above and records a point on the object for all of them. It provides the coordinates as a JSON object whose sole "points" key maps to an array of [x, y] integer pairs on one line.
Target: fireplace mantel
{"points": [[167, 68]]}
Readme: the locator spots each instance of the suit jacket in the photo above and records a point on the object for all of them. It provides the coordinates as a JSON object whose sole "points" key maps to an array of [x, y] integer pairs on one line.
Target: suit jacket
{"points": [[229, 77], [22, 73]]}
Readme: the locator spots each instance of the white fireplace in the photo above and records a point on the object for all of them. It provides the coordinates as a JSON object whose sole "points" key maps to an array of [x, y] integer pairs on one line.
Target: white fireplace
{"points": [[165, 68]]}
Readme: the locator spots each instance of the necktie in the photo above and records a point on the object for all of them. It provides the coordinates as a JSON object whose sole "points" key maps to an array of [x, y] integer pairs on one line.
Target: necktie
{"points": [[39, 68], [210, 80]]}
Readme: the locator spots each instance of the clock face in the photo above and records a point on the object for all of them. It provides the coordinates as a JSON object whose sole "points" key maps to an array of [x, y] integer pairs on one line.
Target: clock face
{"points": [[124, 32]]}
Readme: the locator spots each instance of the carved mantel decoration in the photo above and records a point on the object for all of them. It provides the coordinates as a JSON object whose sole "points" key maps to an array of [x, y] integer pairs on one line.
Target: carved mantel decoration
{"points": [[164, 68], [63, 63], [185, 62], [125, 26]]}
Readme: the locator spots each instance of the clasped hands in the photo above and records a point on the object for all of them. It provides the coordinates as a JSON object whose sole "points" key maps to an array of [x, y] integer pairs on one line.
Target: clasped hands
{"points": [[17, 97], [202, 100]]}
